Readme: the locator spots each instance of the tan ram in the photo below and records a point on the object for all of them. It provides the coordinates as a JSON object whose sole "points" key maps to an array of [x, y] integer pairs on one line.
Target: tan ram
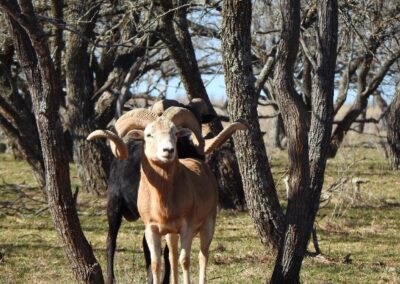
{"points": [[177, 197]]}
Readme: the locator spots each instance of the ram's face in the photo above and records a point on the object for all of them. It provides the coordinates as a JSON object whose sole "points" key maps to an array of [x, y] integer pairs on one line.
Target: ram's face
{"points": [[160, 141]]}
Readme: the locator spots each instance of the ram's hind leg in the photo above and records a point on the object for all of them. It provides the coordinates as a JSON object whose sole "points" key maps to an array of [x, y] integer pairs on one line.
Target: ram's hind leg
{"points": [[154, 242], [114, 216], [172, 242], [206, 236]]}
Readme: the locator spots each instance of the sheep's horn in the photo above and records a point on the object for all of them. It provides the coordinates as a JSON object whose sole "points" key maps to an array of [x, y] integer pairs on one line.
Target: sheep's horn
{"points": [[213, 143], [199, 105], [137, 118], [117, 145], [185, 118], [160, 106]]}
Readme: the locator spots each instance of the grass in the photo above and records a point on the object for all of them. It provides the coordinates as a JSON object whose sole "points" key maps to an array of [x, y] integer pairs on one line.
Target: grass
{"points": [[360, 239]]}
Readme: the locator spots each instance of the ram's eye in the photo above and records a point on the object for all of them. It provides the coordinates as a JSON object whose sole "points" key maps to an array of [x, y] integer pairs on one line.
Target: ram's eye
{"points": [[148, 135]]}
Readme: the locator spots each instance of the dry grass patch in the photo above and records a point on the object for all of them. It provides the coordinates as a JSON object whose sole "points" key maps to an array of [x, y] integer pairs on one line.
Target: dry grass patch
{"points": [[359, 238]]}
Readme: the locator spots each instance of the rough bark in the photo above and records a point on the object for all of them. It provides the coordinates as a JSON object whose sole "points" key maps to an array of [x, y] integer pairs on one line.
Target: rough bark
{"points": [[292, 248], [175, 34], [393, 131], [57, 45], [307, 155], [34, 56], [322, 100], [260, 192], [92, 159]]}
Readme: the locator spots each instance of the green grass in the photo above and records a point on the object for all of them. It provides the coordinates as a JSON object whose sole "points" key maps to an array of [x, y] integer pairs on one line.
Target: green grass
{"points": [[360, 240]]}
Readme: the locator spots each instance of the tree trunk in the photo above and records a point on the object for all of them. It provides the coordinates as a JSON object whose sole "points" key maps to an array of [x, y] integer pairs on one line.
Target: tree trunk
{"points": [[92, 159], [393, 130], [223, 159], [34, 56], [322, 108], [382, 104], [179, 44], [277, 132], [260, 192], [307, 154], [344, 125], [57, 44], [292, 248], [361, 125]]}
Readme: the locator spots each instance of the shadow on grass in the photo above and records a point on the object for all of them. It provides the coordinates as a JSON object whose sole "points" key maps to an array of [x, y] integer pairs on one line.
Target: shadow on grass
{"points": [[10, 247]]}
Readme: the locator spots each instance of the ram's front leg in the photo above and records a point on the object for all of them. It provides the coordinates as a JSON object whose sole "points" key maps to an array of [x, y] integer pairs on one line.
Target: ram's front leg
{"points": [[184, 258], [172, 241], [154, 241]]}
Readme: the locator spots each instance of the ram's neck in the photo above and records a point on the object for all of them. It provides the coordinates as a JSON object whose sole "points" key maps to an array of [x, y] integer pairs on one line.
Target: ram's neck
{"points": [[159, 176]]}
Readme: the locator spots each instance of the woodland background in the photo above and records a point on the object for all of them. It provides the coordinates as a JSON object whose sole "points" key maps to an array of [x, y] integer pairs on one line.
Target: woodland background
{"points": [[317, 81]]}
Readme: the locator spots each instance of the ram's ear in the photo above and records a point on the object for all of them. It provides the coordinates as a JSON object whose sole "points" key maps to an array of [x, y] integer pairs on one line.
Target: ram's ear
{"points": [[183, 132], [136, 134]]}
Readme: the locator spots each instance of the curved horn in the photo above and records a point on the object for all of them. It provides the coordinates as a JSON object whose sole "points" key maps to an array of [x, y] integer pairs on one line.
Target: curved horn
{"points": [[185, 118], [213, 143], [199, 105], [117, 145], [160, 106], [135, 119]]}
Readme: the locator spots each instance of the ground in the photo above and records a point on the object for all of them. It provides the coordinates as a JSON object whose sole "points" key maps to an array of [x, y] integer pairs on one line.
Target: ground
{"points": [[359, 238]]}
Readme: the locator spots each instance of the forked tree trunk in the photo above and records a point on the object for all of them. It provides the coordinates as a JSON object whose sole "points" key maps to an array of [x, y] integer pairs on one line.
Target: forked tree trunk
{"points": [[259, 187], [34, 56], [393, 130], [92, 159], [307, 154], [292, 248]]}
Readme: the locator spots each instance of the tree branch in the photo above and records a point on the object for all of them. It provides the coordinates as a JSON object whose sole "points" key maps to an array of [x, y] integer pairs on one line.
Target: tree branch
{"points": [[267, 71]]}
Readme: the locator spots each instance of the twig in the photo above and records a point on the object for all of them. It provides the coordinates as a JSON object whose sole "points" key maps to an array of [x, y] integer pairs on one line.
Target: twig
{"points": [[269, 116]]}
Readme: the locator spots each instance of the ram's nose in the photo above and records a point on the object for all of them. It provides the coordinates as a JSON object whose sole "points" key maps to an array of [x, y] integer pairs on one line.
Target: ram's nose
{"points": [[168, 150]]}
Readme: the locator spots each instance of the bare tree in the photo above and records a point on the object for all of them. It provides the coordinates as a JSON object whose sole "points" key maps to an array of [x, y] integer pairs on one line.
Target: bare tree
{"points": [[44, 86], [104, 53], [307, 149], [368, 51], [91, 159], [260, 192], [306, 163], [287, 267]]}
